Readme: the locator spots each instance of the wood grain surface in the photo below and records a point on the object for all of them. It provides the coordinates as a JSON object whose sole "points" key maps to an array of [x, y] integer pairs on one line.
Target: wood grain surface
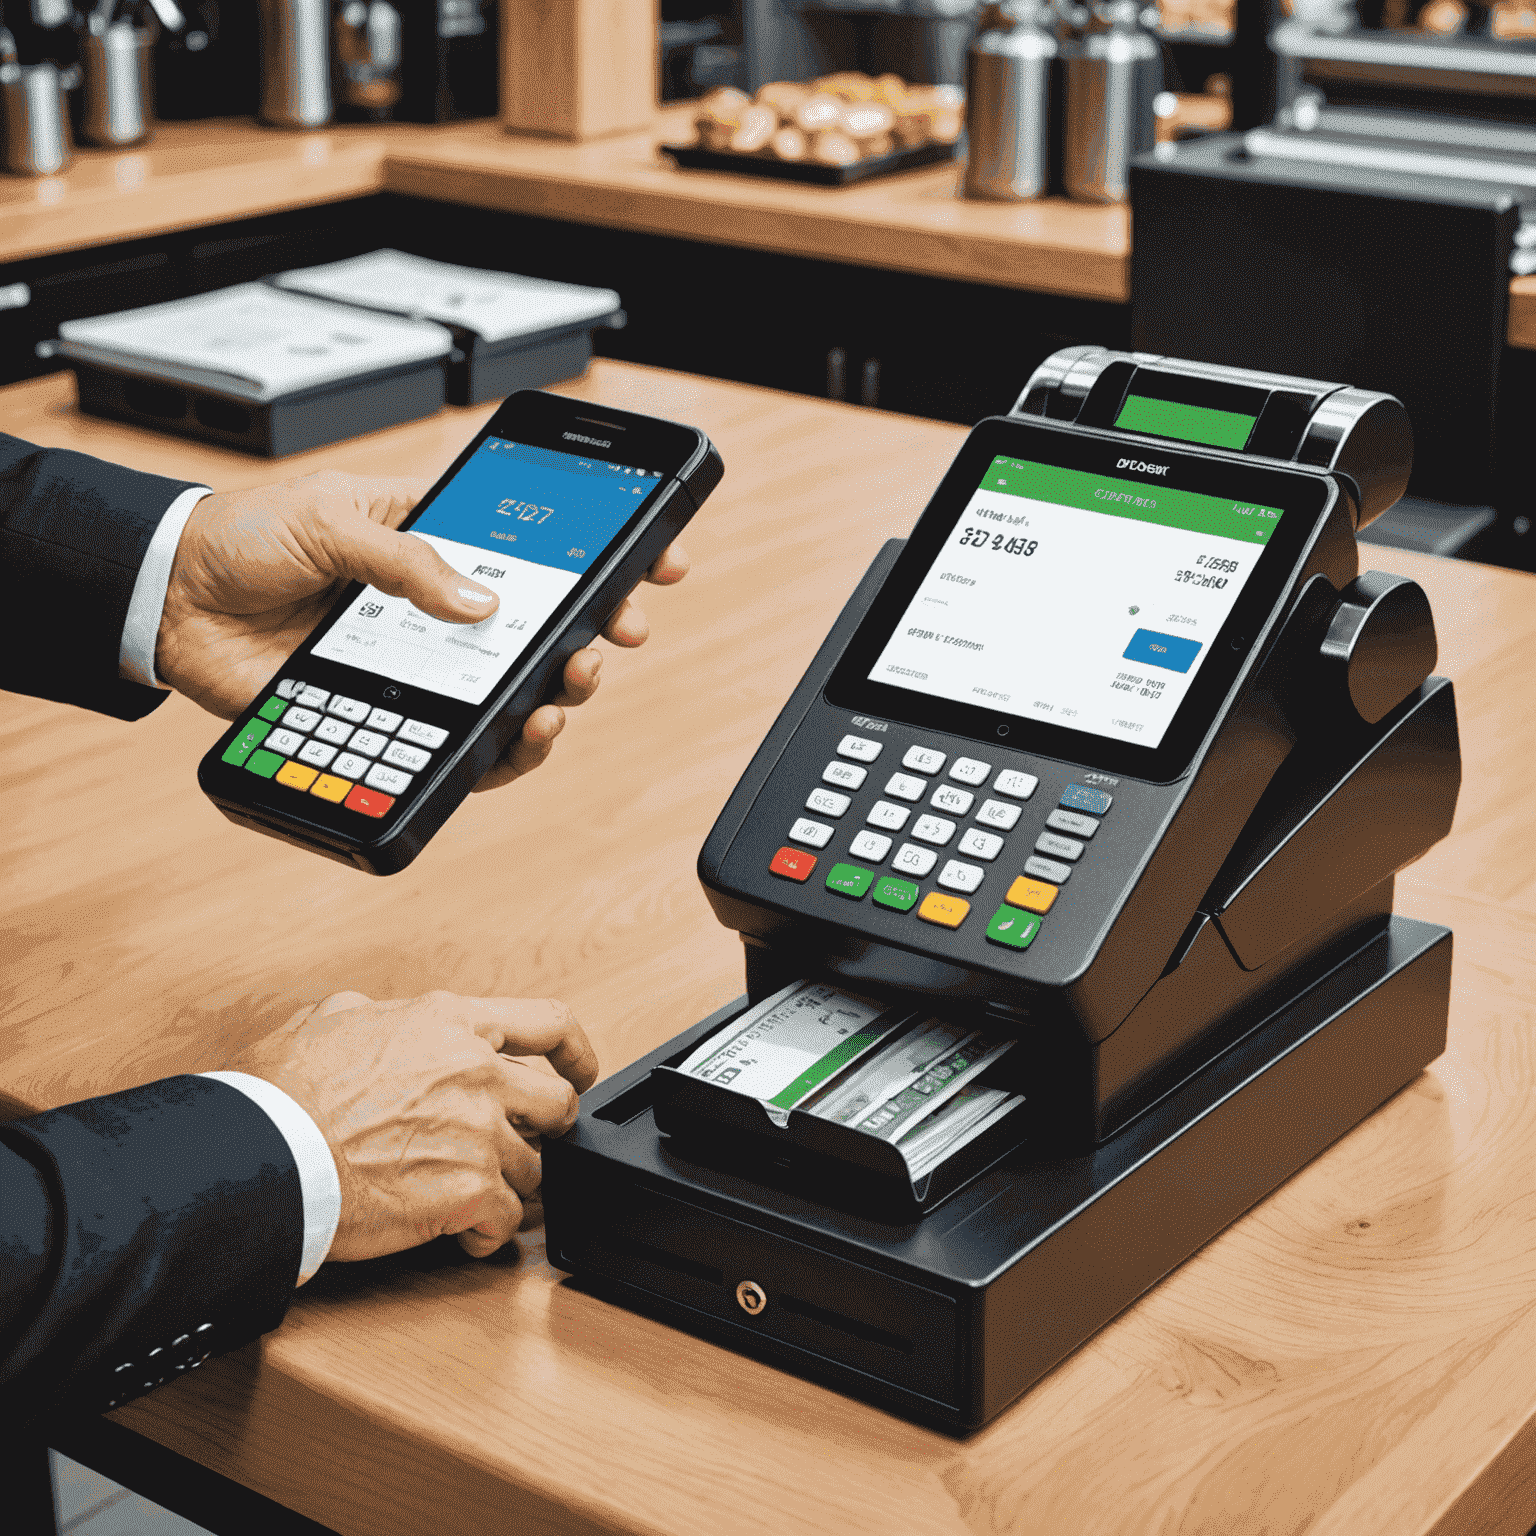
{"points": [[914, 222], [1355, 1357], [193, 174], [187, 176], [578, 69]]}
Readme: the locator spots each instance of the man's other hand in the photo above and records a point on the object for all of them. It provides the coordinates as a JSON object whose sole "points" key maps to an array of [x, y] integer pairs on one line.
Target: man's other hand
{"points": [[428, 1118], [256, 570]]}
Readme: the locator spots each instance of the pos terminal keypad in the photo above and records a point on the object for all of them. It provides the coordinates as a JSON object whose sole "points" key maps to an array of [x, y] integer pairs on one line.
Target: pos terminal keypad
{"points": [[335, 748], [964, 829]]}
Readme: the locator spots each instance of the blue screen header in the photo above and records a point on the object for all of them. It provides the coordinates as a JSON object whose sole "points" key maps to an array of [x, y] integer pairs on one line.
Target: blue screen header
{"points": [[554, 509]]}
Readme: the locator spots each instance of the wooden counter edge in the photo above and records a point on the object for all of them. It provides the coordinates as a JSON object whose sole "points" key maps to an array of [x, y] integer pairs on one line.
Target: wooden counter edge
{"points": [[689, 212], [1522, 313]]}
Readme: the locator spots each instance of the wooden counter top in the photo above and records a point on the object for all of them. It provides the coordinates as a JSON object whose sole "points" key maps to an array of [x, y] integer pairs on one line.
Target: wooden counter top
{"points": [[193, 174], [1354, 1357], [187, 176], [914, 222]]}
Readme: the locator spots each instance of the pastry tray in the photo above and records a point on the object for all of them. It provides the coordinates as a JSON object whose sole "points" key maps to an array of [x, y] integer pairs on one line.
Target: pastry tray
{"points": [[690, 157]]}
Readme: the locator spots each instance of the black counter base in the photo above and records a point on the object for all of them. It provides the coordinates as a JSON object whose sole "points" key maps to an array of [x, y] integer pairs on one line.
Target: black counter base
{"points": [[948, 1319]]}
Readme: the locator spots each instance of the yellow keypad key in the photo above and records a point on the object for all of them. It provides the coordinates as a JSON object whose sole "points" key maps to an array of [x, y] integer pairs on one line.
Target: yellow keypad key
{"points": [[296, 775], [946, 911], [1032, 895], [329, 787]]}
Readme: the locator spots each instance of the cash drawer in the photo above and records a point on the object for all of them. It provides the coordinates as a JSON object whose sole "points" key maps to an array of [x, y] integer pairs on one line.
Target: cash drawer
{"points": [[826, 1307]]}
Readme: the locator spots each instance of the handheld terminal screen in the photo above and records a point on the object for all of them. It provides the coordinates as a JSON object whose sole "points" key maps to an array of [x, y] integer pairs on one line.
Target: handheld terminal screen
{"points": [[1074, 598], [523, 521]]}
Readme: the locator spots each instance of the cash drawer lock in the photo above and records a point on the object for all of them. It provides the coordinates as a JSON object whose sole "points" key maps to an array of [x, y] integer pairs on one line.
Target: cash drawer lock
{"points": [[751, 1296]]}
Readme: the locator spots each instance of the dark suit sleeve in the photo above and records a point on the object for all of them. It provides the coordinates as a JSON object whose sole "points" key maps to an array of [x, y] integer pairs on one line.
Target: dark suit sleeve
{"points": [[73, 532], [139, 1233]]}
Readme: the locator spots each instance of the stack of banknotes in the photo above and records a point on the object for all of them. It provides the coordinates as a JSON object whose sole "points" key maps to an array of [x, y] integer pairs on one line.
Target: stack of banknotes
{"points": [[909, 1078]]}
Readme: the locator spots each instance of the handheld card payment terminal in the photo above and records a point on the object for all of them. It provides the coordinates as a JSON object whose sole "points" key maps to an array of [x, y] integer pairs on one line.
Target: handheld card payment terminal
{"points": [[386, 718], [1111, 763]]}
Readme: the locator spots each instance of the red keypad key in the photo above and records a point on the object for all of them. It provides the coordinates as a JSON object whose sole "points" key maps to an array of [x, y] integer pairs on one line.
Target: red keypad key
{"points": [[368, 802], [793, 863]]}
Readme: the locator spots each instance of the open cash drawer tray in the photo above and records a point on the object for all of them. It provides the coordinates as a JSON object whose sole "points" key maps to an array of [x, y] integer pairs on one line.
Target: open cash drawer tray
{"points": [[820, 1159]]}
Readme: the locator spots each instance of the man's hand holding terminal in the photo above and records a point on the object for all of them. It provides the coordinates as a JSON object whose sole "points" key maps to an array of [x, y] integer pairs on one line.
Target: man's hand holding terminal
{"points": [[256, 570]]}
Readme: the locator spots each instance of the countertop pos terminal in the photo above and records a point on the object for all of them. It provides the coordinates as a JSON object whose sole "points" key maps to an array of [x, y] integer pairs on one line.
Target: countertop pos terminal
{"points": [[1105, 773]]}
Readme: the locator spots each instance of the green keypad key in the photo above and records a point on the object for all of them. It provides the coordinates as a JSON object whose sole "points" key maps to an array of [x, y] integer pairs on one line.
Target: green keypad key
{"points": [[898, 895], [247, 741], [1014, 928], [273, 708], [849, 880], [265, 763]]}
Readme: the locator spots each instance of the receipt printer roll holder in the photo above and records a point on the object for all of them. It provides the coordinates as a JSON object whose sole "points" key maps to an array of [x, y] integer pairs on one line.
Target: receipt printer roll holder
{"points": [[1234, 993]]}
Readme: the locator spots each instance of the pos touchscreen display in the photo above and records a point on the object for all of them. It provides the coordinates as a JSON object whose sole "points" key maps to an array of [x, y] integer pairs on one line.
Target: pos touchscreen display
{"points": [[1079, 601]]}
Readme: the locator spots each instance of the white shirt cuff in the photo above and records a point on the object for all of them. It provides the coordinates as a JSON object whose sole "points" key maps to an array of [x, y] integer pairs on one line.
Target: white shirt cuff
{"points": [[318, 1183], [136, 654]]}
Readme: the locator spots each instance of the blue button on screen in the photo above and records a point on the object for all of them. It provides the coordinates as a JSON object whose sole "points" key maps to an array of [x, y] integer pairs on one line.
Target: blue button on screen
{"points": [[1151, 649]]}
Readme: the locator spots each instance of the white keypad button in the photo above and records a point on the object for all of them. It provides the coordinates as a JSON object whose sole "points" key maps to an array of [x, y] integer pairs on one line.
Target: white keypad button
{"points": [[981, 845], [871, 846], [334, 731], [904, 787], [1047, 869], [287, 688], [391, 781], [814, 834], [286, 742], [1016, 785], [350, 766], [923, 760], [844, 775], [420, 734], [382, 720], [368, 743], [1059, 847], [313, 698], [317, 754], [1073, 824], [827, 802], [398, 755], [933, 829], [859, 750], [912, 860], [999, 814], [348, 709], [297, 719], [892, 817], [956, 876], [970, 770], [955, 801]]}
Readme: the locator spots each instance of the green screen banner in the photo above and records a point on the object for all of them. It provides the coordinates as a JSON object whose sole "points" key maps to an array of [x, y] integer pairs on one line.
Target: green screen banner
{"points": [[1188, 423], [1218, 516]]}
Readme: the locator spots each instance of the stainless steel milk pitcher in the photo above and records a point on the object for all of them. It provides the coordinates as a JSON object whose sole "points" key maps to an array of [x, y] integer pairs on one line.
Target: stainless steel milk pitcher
{"points": [[117, 90], [295, 63], [1008, 102], [1111, 77]]}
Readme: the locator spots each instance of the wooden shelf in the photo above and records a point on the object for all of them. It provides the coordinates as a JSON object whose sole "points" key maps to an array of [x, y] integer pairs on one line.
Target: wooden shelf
{"points": [[195, 174]]}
